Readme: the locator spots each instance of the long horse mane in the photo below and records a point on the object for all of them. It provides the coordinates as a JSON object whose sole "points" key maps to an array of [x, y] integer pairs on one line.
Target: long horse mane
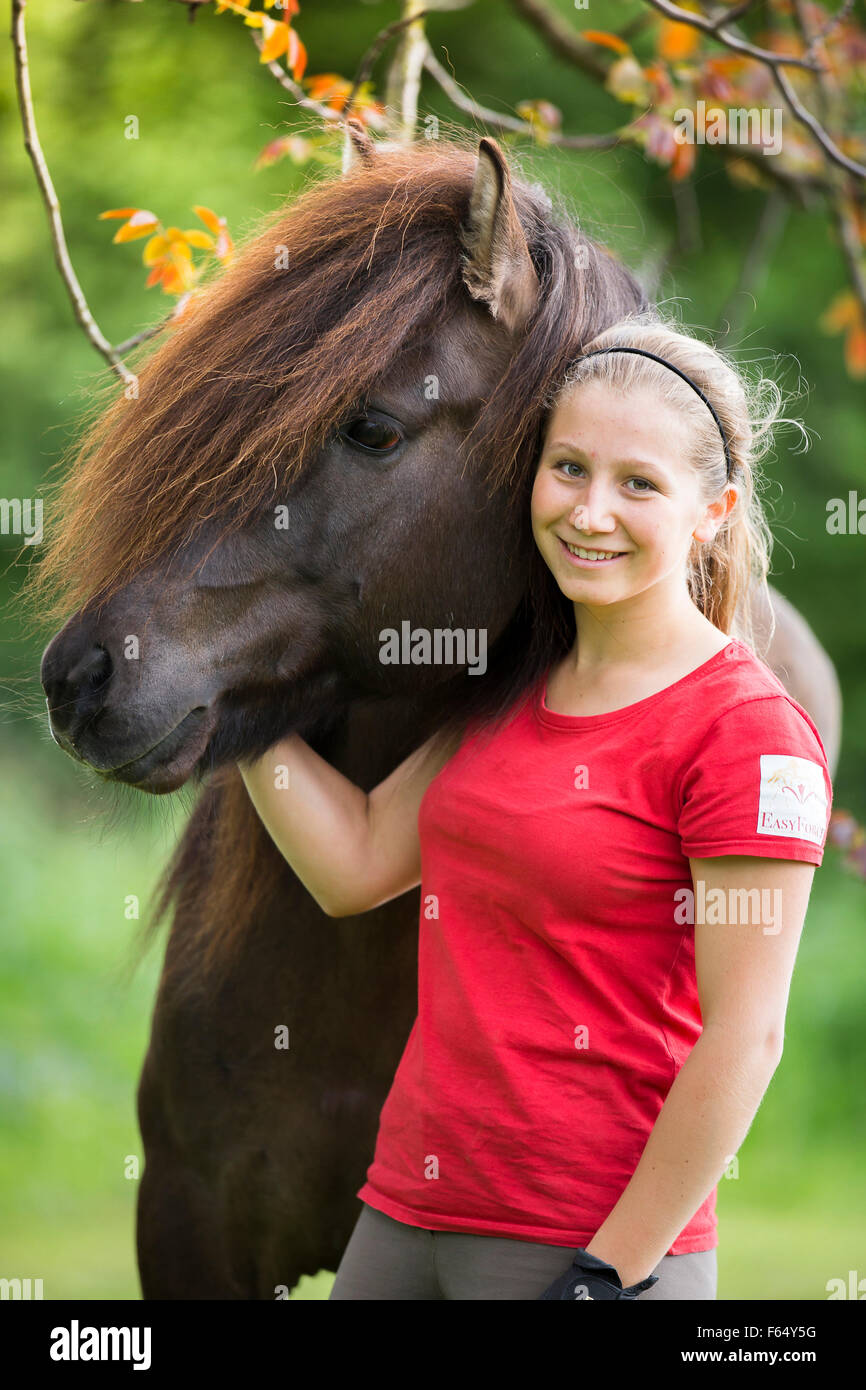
{"points": [[239, 395]]}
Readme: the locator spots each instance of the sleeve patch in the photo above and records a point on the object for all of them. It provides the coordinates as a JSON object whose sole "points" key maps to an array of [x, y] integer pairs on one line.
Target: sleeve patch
{"points": [[793, 800]]}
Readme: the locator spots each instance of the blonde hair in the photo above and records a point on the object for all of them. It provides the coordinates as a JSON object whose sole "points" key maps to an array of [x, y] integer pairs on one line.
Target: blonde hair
{"points": [[723, 574]]}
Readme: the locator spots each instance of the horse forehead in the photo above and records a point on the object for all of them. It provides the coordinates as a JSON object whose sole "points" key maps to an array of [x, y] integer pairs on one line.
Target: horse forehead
{"points": [[466, 355]]}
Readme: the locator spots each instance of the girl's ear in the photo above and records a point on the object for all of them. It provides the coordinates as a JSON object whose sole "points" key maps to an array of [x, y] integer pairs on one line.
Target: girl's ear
{"points": [[715, 514]]}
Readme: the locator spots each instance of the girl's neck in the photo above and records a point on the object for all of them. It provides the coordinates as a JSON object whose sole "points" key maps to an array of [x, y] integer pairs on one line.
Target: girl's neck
{"points": [[608, 642]]}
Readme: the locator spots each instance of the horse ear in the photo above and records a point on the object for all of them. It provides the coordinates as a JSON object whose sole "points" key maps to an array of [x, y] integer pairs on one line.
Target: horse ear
{"points": [[497, 267], [358, 148]]}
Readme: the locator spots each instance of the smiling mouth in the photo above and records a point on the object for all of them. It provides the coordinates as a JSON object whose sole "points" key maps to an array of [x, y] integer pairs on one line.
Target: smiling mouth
{"points": [[590, 554]]}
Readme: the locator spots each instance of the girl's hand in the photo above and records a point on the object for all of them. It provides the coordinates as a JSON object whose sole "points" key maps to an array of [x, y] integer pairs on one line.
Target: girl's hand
{"points": [[590, 1278]]}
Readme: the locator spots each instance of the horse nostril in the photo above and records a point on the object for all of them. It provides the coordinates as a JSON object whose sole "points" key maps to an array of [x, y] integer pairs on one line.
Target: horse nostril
{"points": [[74, 694], [95, 669]]}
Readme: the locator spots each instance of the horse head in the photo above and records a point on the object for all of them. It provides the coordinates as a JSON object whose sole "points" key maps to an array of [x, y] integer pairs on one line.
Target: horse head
{"points": [[335, 441]]}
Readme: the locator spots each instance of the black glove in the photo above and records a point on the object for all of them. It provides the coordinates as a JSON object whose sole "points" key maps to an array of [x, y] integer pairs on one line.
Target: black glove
{"points": [[589, 1277]]}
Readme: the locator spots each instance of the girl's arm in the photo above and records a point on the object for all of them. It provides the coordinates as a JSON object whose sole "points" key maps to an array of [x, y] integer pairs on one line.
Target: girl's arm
{"points": [[744, 970], [350, 849]]}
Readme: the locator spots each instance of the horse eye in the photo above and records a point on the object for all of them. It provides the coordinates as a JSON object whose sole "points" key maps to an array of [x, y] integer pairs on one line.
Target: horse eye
{"points": [[377, 436]]}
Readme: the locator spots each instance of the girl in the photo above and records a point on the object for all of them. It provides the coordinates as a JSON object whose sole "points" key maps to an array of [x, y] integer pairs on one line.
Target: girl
{"points": [[614, 876]]}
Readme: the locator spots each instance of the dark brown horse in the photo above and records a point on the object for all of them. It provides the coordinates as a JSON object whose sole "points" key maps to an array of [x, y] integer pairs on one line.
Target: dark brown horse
{"points": [[339, 439]]}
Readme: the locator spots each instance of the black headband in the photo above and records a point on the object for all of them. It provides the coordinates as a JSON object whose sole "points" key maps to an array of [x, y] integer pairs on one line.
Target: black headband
{"points": [[642, 352]]}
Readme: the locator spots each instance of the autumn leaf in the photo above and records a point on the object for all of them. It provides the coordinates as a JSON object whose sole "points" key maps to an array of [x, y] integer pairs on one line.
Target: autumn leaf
{"points": [[224, 248], [278, 37], [140, 223], [844, 312], [606, 40], [296, 147], [676, 41], [329, 89], [332, 90], [276, 40], [683, 162], [168, 251], [297, 56], [202, 240], [663, 90], [845, 315]]}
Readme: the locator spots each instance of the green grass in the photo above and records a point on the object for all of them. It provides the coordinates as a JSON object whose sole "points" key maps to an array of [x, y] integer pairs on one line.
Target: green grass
{"points": [[75, 1029]]}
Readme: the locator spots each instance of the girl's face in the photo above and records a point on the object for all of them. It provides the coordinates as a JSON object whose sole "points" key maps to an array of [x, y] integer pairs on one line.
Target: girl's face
{"points": [[623, 463]]}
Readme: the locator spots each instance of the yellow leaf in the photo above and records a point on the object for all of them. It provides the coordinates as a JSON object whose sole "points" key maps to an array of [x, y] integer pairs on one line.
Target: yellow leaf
{"points": [[155, 249], [200, 239]]}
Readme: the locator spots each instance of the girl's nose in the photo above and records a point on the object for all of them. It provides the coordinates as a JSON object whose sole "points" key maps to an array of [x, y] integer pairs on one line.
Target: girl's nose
{"points": [[584, 519]]}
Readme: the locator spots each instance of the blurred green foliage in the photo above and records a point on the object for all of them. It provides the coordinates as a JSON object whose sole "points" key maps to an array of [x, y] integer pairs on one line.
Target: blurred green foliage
{"points": [[74, 1026]]}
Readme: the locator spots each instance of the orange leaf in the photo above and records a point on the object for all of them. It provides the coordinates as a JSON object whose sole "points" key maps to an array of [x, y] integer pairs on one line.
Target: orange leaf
{"points": [[276, 40], [209, 218], [855, 351], [119, 212], [297, 56], [606, 40], [677, 41], [843, 312], [683, 162], [130, 232], [328, 84]]}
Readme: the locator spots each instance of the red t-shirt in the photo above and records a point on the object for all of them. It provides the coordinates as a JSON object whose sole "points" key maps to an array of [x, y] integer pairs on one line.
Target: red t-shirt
{"points": [[557, 997]]}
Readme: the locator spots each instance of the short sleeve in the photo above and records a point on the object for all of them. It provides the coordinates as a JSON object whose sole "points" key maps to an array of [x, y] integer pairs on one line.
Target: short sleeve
{"points": [[758, 784]]}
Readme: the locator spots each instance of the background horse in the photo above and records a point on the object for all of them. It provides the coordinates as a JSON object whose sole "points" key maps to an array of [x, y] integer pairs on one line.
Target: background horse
{"points": [[340, 437]]}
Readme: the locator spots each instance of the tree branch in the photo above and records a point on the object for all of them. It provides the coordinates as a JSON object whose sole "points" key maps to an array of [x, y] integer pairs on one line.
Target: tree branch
{"points": [[560, 37], [715, 31], [498, 121], [775, 62], [52, 203]]}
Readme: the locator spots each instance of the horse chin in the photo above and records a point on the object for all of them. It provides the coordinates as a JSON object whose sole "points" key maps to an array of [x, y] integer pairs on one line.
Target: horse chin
{"points": [[172, 761]]}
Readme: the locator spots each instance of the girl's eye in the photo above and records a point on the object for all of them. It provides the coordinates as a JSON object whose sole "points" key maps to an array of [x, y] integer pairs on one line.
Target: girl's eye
{"points": [[646, 485]]}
